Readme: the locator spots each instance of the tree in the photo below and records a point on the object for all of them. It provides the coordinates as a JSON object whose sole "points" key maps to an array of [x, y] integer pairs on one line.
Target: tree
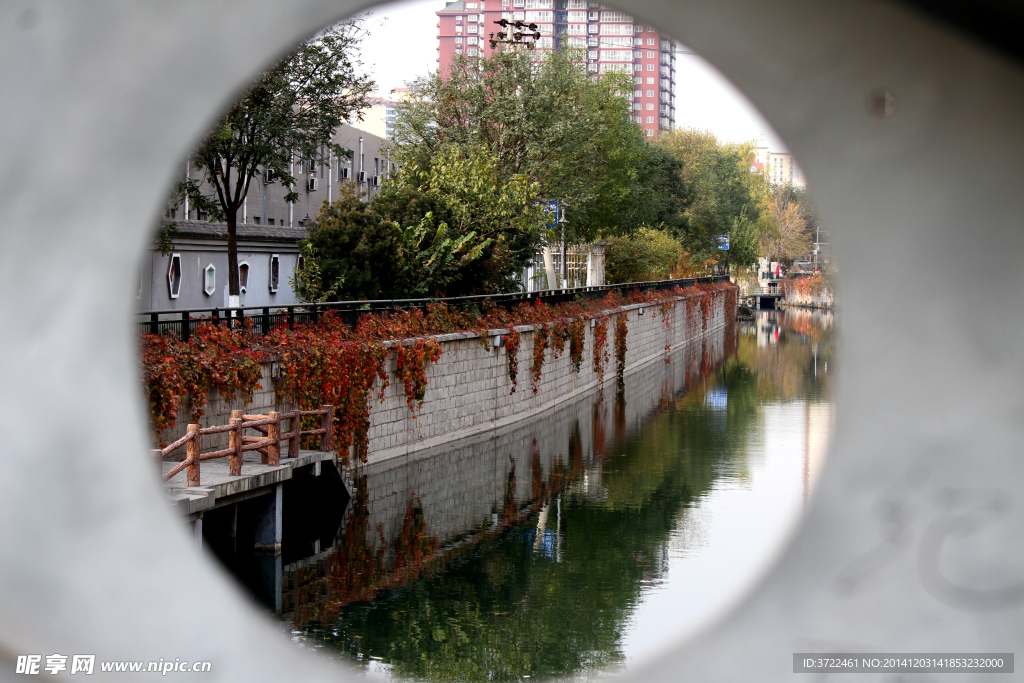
{"points": [[540, 117], [788, 237], [502, 210], [292, 109], [719, 196], [352, 252], [647, 255]]}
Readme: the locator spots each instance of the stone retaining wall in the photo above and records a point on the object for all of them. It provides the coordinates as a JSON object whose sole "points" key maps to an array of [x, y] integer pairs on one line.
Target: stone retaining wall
{"points": [[468, 388]]}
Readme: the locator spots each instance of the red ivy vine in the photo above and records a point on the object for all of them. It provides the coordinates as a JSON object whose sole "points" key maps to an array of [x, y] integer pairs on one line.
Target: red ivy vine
{"points": [[600, 346], [540, 343], [329, 362], [620, 349]]}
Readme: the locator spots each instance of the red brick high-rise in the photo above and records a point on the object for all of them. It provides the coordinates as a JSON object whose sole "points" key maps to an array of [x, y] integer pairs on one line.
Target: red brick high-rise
{"points": [[613, 40]]}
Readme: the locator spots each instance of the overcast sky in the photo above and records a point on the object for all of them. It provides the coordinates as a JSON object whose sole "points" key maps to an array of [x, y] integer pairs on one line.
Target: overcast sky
{"points": [[402, 44]]}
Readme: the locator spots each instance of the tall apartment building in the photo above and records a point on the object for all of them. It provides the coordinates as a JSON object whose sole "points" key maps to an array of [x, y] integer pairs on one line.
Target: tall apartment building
{"points": [[378, 118], [781, 167], [612, 39]]}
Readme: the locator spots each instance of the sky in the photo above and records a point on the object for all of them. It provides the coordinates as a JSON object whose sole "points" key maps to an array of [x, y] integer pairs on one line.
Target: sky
{"points": [[401, 44]]}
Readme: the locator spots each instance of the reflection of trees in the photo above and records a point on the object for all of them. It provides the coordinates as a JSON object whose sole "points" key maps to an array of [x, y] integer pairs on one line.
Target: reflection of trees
{"points": [[501, 604], [785, 370]]}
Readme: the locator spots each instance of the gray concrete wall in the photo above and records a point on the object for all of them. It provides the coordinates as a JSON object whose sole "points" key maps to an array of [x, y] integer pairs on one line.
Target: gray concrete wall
{"points": [[196, 255], [104, 99]]}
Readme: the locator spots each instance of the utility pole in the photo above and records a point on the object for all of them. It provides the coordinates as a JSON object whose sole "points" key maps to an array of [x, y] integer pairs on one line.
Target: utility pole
{"points": [[518, 35]]}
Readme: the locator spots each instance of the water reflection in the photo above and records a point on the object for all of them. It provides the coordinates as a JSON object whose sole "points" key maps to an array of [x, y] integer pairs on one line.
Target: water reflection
{"points": [[598, 535]]}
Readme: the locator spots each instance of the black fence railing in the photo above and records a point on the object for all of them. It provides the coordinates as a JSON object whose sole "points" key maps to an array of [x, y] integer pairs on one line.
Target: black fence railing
{"points": [[181, 323]]}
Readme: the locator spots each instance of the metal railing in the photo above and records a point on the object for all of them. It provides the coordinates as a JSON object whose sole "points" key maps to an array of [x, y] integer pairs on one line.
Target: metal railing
{"points": [[265, 318]]}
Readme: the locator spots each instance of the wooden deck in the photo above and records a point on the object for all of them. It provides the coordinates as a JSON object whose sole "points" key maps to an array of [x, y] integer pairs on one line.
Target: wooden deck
{"points": [[219, 487]]}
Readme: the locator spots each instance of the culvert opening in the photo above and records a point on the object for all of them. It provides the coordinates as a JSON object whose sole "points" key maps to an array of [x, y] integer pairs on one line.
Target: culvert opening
{"points": [[569, 487]]}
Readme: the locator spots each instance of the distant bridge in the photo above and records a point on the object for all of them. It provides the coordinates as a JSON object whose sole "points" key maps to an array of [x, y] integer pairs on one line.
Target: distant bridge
{"points": [[766, 297]]}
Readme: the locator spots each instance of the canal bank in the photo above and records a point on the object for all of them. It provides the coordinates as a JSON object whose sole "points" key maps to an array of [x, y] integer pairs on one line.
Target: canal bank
{"points": [[581, 541], [470, 390]]}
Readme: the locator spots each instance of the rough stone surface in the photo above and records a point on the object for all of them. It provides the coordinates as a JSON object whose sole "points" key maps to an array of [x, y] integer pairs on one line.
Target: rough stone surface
{"points": [[102, 101]]}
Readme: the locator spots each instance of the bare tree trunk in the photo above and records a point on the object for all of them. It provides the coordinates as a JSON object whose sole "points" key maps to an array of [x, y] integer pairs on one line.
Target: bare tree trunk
{"points": [[231, 215]]}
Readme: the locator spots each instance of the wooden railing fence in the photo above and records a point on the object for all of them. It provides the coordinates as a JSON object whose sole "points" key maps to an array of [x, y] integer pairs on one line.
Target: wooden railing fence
{"points": [[268, 444]]}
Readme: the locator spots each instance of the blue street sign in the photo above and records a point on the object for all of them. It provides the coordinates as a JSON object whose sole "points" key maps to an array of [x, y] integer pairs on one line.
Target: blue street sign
{"points": [[723, 242]]}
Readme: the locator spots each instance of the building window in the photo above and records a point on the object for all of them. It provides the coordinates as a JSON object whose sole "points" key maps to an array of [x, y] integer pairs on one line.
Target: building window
{"points": [[471, 40], [650, 106], [650, 67], [638, 119], [472, 28], [638, 93], [275, 271], [592, 28], [210, 280], [540, 16], [518, 3], [650, 93], [545, 42], [474, 17], [650, 119], [650, 80], [650, 41], [472, 5], [616, 16], [638, 67], [471, 52], [243, 276], [577, 16], [174, 276], [650, 133], [650, 55], [504, 3], [616, 29], [256, 220], [576, 29], [650, 29], [519, 16], [458, 41]]}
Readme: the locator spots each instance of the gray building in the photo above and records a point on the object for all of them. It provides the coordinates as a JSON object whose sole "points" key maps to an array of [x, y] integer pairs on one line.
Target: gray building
{"points": [[194, 275]]}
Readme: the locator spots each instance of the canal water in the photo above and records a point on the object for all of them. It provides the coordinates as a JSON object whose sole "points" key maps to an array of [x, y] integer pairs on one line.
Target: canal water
{"points": [[587, 540]]}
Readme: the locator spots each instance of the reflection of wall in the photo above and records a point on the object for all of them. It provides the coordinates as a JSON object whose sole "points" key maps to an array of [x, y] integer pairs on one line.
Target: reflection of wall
{"points": [[461, 485]]}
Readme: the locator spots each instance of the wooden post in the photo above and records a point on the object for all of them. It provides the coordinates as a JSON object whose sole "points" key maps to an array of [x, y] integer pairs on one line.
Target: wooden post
{"points": [[295, 443], [235, 443], [327, 422], [192, 449], [274, 432], [158, 455]]}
